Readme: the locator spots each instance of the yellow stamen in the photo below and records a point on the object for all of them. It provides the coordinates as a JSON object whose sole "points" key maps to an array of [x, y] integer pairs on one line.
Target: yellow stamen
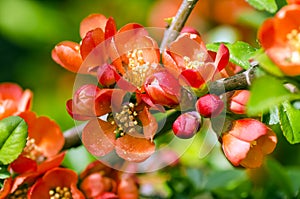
{"points": [[126, 120], [293, 39], [138, 69], [60, 193]]}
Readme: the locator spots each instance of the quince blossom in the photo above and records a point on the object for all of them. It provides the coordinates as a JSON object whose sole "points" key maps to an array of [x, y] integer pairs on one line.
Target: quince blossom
{"points": [[247, 142], [279, 36]]}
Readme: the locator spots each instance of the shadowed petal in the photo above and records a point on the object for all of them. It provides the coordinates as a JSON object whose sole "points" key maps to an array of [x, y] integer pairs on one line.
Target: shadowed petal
{"points": [[254, 158], [267, 142]]}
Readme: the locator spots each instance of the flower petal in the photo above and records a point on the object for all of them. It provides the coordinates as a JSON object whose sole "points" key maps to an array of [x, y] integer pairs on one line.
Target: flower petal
{"points": [[149, 123], [254, 158], [67, 55], [267, 142], [234, 149], [50, 140], [23, 164], [128, 188], [188, 41], [110, 28], [98, 137], [286, 20], [281, 56], [248, 129], [5, 190], [266, 33], [92, 22], [96, 184], [134, 149], [238, 101], [222, 57], [192, 78], [10, 91], [90, 41]]}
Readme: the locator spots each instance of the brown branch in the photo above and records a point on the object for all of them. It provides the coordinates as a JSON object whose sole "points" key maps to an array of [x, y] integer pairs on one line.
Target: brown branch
{"points": [[178, 22], [237, 82], [72, 137]]}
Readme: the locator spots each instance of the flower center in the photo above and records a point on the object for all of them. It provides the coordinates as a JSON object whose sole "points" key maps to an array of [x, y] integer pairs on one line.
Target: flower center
{"points": [[33, 151], [20, 193], [60, 193], [194, 64], [126, 120], [253, 143], [138, 69], [293, 39]]}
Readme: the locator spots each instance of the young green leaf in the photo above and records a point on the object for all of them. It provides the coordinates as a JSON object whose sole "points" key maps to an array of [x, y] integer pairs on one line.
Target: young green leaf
{"points": [[289, 122], [267, 5], [267, 92], [13, 134], [240, 52]]}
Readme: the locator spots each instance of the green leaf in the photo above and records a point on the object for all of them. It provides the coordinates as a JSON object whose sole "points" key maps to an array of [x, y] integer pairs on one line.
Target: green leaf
{"points": [[4, 172], [267, 5], [267, 92], [13, 134], [279, 176], [266, 63], [289, 122], [240, 52]]}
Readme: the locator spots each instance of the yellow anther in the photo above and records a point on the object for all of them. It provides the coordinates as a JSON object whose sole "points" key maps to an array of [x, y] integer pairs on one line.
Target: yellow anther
{"points": [[293, 40]]}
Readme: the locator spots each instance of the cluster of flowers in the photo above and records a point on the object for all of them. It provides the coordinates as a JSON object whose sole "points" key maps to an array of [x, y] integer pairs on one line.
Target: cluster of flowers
{"points": [[36, 173], [135, 78]]}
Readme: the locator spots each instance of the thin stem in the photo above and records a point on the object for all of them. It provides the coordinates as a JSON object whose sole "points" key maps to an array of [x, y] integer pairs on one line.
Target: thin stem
{"points": [[178, 22]]}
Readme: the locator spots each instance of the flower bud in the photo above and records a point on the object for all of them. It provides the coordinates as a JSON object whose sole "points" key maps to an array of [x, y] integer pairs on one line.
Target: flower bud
{"points": [[106, 75], [191, 30], [163, 88], [209, 105], [186, 125], [238, 101]]}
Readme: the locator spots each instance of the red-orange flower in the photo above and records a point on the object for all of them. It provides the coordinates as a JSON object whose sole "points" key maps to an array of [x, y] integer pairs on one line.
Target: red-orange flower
{"points": [[45, 138], [57, 182], [135, 56], [279, 36], [94, 29], [188, 58], [100, 181], [18, 185], [13, 100], [129, 129], [247, 142]]}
